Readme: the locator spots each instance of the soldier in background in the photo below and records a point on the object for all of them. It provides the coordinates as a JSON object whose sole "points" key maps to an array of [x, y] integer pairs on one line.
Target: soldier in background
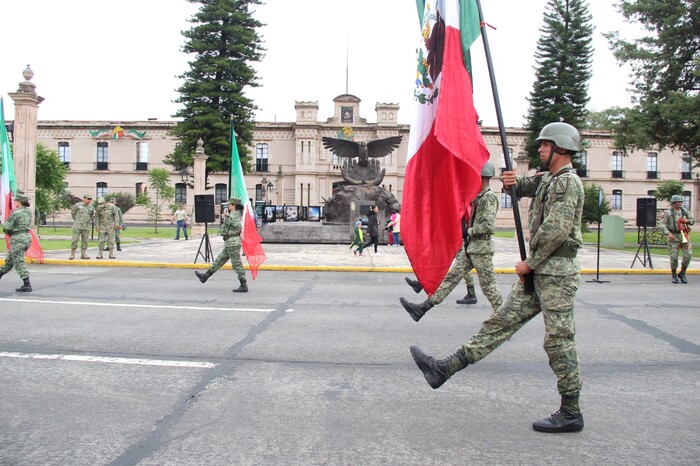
{"points": [[82, 213], [105, 223], [676, 219], [231, 231], [17, 227], [120, 222], [479, 253], [555, 226]]}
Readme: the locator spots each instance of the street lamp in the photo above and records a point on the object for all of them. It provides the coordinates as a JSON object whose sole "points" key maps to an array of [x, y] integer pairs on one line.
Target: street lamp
{"points": [[184, 174]]}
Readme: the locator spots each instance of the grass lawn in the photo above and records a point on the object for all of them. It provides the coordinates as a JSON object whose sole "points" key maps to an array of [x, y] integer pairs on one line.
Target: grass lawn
{"points": [[631, 244]]}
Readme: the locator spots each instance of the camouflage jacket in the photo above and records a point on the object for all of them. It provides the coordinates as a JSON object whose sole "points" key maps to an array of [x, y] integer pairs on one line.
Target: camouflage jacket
{"points": [[555, 220], [19, 221], [483, 223], [231, 230], [82, 215], [669, 224], [118, 214], [106, 217]]}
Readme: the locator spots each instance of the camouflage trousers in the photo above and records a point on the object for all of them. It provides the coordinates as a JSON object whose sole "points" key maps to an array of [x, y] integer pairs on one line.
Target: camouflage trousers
{"points": [[554, 298], [106, 236], [19, 244], [81, 235], [483, 263], [232, 250], [674, 247]]}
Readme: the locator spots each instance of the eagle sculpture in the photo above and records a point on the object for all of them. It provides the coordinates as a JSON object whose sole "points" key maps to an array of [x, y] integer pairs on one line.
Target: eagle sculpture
{"points": [[363, 171]]}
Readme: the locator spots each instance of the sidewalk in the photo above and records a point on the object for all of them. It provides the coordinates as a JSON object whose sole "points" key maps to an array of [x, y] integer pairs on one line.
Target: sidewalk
{"points": [[337, 257]]}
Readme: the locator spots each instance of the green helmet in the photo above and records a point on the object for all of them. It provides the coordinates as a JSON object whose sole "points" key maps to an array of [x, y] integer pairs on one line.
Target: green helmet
{"points": [[676, 198], [488, 170], [563, 135]]}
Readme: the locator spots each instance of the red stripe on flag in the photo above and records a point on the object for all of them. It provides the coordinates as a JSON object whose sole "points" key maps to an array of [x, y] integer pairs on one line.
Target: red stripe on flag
{"points": [[251, 242]]}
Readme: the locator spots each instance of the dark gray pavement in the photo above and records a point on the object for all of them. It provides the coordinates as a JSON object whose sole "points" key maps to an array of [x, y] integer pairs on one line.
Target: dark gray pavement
{"points": [[125, 366]]}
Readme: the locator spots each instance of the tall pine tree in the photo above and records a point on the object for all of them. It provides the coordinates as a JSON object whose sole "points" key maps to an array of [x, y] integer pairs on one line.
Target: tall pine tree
{"points": [[563, 69], [666, 76], [224, 41]]}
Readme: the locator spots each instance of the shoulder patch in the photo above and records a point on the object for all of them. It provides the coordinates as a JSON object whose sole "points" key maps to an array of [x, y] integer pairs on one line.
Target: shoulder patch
{"points": [[562, 185]]}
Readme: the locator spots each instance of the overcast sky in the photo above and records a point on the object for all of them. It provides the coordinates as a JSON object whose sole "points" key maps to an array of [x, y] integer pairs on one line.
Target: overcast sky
{"points": [[118, 61]]}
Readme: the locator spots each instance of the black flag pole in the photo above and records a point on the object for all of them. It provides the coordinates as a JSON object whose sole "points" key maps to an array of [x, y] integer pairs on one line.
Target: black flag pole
{"points": [[529, 279]]}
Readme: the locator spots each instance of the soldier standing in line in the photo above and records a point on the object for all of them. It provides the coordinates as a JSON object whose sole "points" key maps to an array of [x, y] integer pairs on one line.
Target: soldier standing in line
{"points": [[82, 213], [479, 252], [676, 219], [17, 227], [231, 231], [555, 226], [105, 222], [120, 222]]}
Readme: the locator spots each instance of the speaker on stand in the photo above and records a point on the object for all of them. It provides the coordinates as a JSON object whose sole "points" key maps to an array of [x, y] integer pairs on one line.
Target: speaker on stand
{"points": [[204, 213], [646, 217]]}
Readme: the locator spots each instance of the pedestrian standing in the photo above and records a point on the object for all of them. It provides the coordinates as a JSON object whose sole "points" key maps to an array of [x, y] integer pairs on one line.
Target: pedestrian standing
{"points": [[358, 239], [555, 237], [373, 228], [17, 227], [231, 231], [82, 213], [395, 226], [180, 216], [120, 222], [105, 221], [676, 226]]}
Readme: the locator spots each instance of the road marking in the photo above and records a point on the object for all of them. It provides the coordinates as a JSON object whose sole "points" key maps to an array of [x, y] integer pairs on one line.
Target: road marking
{"points": [[103, 359], [146, 306]]}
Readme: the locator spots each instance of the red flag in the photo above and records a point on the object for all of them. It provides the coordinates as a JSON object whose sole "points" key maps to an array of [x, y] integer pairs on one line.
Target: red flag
{"points": [[446, 149]]}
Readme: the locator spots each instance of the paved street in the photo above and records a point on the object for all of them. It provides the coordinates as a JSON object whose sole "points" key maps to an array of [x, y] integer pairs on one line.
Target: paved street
{"points": [[120, 365]]}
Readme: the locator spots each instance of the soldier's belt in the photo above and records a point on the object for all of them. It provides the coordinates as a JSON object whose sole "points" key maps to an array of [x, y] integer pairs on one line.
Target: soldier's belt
{"points": [[484, 237], [226, 237], [565, 251]]}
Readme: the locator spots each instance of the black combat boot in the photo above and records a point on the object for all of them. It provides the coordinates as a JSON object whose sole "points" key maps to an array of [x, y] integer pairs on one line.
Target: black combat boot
{"points": [[243, 288], [681, 274], [437, 372], [27, 287], [567, 419], [203, 277], [1, 274], [415, 284], [470, 298], [417, 310], [674, 277], [119, 246]]}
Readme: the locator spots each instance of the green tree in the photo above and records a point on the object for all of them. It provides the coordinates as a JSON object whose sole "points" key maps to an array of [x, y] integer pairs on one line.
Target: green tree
{"points": [[666, 189], [125, 201], [50, 182], [591, 199], [665, 76], [59, 201], [563, 69], [224, 41], [163, 193], [604, 119]]}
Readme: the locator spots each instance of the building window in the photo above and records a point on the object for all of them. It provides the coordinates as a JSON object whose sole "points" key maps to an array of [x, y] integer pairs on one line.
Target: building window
{"points": [[686, 173], [102, 156], [652, 166], [142, 156], [651, 194], [259, 193], [505, 201], [141, 189], [101, 189], [64, 152], [220, 193], [617, 164], [616, 203], [261, 157], [686, 200], [581, 163], [180, 193], [503, 160]]}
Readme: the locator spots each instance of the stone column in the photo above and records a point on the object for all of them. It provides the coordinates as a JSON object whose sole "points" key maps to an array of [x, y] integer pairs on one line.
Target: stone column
{"points": [[279, 195], [25, 135], [200, 184]]}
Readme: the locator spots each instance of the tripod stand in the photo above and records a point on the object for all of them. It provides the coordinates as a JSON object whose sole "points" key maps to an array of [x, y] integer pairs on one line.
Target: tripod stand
{"points": [[207, 256], [646, 255]]}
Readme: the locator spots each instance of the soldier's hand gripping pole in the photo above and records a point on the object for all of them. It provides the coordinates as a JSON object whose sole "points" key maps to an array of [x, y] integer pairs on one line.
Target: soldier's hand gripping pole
{"points": [[529, 282]]}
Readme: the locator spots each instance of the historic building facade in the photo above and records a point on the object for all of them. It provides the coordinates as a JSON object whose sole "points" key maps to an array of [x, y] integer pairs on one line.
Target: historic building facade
{"points": [[293, 168]]}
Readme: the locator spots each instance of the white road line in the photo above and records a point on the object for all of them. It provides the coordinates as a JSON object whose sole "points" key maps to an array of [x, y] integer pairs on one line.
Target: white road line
{"points": [[143, 306], [141, 362]]}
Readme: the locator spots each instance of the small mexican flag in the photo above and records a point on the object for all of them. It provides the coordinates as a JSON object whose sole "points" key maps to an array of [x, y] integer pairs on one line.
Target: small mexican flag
{"points": [[251, 242]]}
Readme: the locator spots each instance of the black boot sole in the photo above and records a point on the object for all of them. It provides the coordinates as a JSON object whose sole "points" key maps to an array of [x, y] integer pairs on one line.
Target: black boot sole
{"points": [[420, 359]]}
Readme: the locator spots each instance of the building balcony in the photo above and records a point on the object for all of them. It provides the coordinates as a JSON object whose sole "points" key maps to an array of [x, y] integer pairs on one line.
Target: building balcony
{"points": [[686, 176], [102, 166], [141, 166], [618, 174], [582, 172], [652, 175]]}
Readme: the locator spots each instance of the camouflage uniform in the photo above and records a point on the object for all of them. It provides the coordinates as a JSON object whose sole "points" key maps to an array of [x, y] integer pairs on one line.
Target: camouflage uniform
{"points": [[17, 226], [231, 231], [105, 221], [479, 253], [555, 225], [82, 216], [118, 226], [669, 224]]}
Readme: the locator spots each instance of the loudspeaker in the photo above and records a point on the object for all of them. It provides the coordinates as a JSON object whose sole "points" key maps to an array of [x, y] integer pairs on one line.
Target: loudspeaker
{"points": [[204, 208], [646, 212]]}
